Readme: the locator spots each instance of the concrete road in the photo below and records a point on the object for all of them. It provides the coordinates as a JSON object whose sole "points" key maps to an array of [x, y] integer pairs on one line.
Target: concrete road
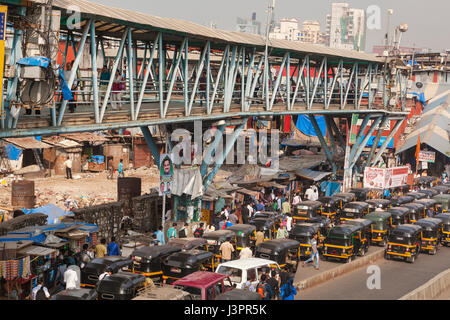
{"points": [[397, 279]]}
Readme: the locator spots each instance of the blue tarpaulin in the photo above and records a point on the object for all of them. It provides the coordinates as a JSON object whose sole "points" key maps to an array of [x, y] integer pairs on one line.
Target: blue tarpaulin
{"points": [[67, 94], [306, 127], [98, 159], [330, 188], [420, 97], [382, 140], [12, 152], [35, 61], [54, 213]]}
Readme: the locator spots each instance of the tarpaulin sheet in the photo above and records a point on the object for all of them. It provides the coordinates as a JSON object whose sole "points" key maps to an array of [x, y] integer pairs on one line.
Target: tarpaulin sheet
{"points": [[187, 181], [305, 125], [54, 213], [382, 140], [12, 153], [35, 61]]}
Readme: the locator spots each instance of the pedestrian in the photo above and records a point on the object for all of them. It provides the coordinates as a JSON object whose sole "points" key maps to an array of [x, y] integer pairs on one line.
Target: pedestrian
{"points": [[40, 292], [113, 248], [223, 223], [259, 237], [245, 214], [226, 249], [116, 99], [67, 74], [70, 279], [100, 249], [62, 267], [274, 284], [68, 165], [110, 168], [282, 232], [245, 253], [250, 210], [286, 208], [160, 235], [105, 76], [120, 170], [297, 199], [314, 253], [279, 202], [198, 233], [233, 217], [264, 289], [154, 241], [105, 274], [289, 223], [86, 256], [183, 231], [172, 232], [309, 194], [202, 87], [288, 291], [226, 211], [260, 206]]}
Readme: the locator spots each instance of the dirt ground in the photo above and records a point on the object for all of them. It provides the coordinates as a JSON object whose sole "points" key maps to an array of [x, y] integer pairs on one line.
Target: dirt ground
{"points": [[90, 189]]}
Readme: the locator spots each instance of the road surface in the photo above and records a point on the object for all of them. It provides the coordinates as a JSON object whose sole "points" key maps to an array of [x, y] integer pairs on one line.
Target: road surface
{"points": [[397, 279]]}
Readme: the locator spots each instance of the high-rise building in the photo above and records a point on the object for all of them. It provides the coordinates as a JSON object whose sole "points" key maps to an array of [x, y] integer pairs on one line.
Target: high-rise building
{"points": [[248, 26], [310, 32], [346, 27], [288, 29]]}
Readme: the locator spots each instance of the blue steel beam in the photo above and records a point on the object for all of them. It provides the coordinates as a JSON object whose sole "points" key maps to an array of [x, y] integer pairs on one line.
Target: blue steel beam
{"points": [[218, 138], [151, 144], [387, 141], [323, 143], [376, 141], [360, 134]]}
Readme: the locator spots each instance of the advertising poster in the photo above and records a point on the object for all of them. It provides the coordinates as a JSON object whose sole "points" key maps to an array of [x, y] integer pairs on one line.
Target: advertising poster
{"points": [[374, 178], [397, 177], [166, 174], [427, 156], [378, 178]]}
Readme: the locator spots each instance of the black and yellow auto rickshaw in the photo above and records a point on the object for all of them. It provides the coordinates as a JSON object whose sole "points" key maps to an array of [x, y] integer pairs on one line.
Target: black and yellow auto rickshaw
{"points": [[445, 231], [346, 197], [431, 234], [306, 210], [182, 263], [331, 207], [266, 225], [214, 240], [400, 215], [187, 243], [325, 225], [354, 210], [429, 192], [363, 194], [245, 235], [286, 252], [399, 200], [415, 212], [374, 204], [442, 189], [147, 260], [443, 201], [342, 242], [404, 242], [364, 235], [120, 286], [380, 229], [275, 216], [417, 195], [94, 268], [304, 233], [431, 207]]}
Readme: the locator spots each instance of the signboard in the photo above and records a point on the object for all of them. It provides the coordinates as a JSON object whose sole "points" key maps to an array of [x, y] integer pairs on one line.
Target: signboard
{"points": [[354, 129], [427, 156], [381, 178], [165, 174]]}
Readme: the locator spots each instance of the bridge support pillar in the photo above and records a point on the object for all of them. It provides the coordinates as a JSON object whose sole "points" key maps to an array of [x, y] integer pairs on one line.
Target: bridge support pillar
{"points": [[151, 144]]}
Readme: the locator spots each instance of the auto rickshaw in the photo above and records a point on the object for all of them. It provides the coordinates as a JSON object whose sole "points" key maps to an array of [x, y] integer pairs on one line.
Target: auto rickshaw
{"points": [[307, 209], [431, 207], [275, 216], [429, 192], [417, 195], [441, 189], [120, 286], [325, 225], [443, 202], [354, 210], [183, 263], [400, 215], [147, 260], [342, 242], [362, 194], [214, 240], [445, 219], [268, 226], [187, 243], [94, 268], [382, 221], [399, 200], [346, 197], [416, 211], [378, 204], [431, 234], [404, 242], [331, 207], [304, 233], [76, 294], [286, 252], [245, 235], [364, 235]]}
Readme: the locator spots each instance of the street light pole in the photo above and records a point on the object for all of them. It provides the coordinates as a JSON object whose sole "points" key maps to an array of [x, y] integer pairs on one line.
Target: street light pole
{"points": [[265, 91]]}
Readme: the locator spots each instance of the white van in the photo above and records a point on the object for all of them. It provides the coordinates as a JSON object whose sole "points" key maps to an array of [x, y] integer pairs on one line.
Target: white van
{"points": [[243, 270]]}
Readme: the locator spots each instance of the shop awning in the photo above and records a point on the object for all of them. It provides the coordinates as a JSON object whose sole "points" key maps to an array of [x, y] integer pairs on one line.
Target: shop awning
{"points": [[37, 251], [312, 175], [28, 143]]}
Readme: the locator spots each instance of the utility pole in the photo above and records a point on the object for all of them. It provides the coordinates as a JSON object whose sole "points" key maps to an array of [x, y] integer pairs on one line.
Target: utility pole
{"points": [[265, 92]]}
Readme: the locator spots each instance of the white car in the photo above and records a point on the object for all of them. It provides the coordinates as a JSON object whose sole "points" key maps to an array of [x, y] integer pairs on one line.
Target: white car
{"points": [[243, 270]]}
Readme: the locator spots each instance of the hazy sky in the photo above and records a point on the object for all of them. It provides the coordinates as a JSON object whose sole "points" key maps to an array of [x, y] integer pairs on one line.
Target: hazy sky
{"points": [[428, 20]]}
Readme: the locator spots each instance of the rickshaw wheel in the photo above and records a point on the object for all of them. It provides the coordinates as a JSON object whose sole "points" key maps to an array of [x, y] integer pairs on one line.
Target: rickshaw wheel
{"points": [[362, 252], [411, 260]]}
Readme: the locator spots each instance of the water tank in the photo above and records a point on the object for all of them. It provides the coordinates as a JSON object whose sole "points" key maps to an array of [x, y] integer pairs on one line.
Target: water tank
{"points": [[22, 194]]}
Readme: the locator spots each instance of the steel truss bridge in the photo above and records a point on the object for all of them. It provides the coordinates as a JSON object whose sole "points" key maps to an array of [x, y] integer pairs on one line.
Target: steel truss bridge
{"points": [[189, 72]]}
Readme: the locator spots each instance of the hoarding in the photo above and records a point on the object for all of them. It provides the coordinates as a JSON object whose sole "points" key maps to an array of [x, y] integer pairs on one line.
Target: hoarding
{"points": [[379, 178], [165, 174], [427, 156]]}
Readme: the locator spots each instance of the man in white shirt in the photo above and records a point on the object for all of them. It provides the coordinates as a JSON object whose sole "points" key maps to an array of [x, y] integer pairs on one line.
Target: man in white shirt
{"points": [[246, 253], [315, 195], [68, 165], [105, 274], [37, 288], [71, 279], [250, 210], [296, 199], [309, 194], [288, 223]]}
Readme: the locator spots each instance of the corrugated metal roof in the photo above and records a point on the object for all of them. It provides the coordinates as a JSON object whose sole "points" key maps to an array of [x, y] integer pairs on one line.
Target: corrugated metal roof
{"points": [[181, 27], [312, 175], [28, 143], [85, 137], [433, 128]]}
